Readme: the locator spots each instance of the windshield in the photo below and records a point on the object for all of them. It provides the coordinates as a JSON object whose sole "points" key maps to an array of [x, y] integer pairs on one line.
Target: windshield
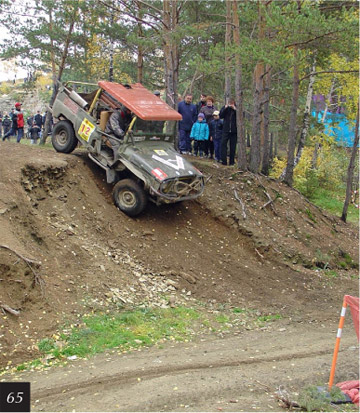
{"points": [[153, 127]]}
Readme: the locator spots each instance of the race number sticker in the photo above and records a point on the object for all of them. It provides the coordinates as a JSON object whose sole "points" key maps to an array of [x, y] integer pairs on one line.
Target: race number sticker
{"points": [[86, 129], [160, 152]]}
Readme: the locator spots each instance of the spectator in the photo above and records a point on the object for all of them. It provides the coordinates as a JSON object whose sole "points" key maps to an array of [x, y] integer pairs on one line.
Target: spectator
{"points": [[6, 123], [208, 111], [216, 128], [29, 122], [38, 120], [0, 125], [188, 111], [20, 122], [228, 113], [201, 103], [34, 133], [17, 127], [11, 114], [200, 134]]}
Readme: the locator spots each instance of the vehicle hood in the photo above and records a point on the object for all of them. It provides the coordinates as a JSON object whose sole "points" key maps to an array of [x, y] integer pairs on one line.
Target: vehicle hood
{"points": [[159, 160]]}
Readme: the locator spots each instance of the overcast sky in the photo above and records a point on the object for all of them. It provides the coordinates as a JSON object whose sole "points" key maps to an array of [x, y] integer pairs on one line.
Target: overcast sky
{"points": [[9, 70]]}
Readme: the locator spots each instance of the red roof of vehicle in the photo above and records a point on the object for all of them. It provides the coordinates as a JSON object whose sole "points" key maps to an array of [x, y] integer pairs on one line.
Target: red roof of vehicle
{"points": [[140, 101]]}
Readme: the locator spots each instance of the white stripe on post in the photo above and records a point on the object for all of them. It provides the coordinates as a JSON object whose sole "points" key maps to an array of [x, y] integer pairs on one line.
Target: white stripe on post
{"points": [[343, 312], [339, 332]]}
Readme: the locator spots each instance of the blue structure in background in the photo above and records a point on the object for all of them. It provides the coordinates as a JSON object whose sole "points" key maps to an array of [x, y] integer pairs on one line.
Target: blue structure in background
{"points": [[337, 125]]}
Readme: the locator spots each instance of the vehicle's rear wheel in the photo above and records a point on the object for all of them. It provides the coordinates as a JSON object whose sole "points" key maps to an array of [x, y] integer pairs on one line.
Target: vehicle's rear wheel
{"points": [[130, 197], [63, 137]]}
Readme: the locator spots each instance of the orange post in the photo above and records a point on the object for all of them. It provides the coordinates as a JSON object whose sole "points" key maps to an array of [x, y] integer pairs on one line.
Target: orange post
{"points": [[337, 344]]}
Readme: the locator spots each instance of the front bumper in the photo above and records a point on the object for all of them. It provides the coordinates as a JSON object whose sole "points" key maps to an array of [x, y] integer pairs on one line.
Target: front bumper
{"points": [[179, 189]]}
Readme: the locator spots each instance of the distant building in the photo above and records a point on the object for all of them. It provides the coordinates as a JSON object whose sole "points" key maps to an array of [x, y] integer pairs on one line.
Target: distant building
{"points": [[336, 122]]}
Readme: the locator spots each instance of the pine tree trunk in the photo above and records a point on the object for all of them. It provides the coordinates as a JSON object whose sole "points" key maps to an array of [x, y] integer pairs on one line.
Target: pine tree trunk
{"points": [[227, 91], [271, 154], [266, 147], [241, 140], [55, 84], [111, 52], [256, 135], [140, 57], [306, 118], [255, 154], [289, 172], [351, 168]]}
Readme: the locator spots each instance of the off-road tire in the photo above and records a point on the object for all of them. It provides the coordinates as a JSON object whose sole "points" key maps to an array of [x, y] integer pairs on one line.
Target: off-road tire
{"points": [[130, 197], [63, 137]]}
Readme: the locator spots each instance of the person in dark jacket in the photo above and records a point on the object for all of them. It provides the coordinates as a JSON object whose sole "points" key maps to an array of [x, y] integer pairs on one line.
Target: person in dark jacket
{"points": [[216, 129], [188, 112], [17, 126], [38, 119], [200, 134], [6, 123], [228, 113], [208, 111], [34, 133], [0, 125], [201, 103]]}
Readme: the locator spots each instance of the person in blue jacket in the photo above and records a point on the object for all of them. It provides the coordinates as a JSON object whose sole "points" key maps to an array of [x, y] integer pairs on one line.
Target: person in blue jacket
{"points": [[200, 134], [188, 111], [216, 129]]}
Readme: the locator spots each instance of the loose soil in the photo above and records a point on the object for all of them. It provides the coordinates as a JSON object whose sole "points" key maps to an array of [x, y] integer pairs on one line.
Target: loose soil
{"points": [[247, 242]]}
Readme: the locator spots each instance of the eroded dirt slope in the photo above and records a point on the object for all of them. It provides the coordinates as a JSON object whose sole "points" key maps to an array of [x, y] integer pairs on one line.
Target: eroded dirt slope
{"points": [[57, 210]]}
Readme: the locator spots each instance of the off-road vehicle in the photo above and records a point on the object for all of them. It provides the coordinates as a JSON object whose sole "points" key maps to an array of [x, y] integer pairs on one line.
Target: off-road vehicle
{"points": [[144, 164]]}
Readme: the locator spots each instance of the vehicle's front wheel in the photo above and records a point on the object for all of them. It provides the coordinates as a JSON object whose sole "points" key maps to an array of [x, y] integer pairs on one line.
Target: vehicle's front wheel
{"points": [[130, 197], [63, 137]]}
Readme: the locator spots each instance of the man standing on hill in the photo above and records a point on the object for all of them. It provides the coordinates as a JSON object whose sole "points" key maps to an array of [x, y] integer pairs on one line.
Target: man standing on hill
{"points": [[39, 121], [228, 113], [188, 112]]}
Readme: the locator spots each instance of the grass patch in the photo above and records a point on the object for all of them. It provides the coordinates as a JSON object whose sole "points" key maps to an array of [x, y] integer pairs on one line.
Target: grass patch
{"points": [[333, 202], [269, 317], [318, 399], [125, 330]]}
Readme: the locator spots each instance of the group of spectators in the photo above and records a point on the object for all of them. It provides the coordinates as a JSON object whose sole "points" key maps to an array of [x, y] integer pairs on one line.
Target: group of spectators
{"points": [[206, 131], [12, 124]]}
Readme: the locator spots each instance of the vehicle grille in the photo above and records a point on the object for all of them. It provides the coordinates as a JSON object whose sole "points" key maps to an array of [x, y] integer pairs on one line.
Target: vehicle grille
{"points": [[182, 187]]}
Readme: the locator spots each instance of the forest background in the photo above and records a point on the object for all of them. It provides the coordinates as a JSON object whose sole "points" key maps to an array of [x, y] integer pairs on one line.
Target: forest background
{"points": [[272, 56]]}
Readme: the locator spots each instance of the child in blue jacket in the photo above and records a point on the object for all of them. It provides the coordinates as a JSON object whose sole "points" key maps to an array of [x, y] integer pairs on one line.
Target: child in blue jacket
{"points": [[200, 134]]}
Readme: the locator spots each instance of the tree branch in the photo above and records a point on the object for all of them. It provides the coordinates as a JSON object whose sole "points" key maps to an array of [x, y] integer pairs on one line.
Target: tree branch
{"points": [[312, 40], [328, 71]]}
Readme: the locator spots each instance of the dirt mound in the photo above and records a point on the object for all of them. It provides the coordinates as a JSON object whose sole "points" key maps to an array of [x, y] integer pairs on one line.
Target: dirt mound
{"points": [[66, 249]]}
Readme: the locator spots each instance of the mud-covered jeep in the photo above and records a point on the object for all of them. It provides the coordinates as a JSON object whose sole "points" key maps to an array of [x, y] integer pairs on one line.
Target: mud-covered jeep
{"points": [[144, 164]]}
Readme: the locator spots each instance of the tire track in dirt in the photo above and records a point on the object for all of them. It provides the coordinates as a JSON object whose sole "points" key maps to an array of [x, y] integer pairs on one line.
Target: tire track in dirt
{"points": [[170, 370]]}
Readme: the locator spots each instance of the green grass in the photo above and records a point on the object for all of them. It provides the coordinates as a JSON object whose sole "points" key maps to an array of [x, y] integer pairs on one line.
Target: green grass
{"points": [[270, 317], [127, 330], [318, 399], [333, 202]]}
